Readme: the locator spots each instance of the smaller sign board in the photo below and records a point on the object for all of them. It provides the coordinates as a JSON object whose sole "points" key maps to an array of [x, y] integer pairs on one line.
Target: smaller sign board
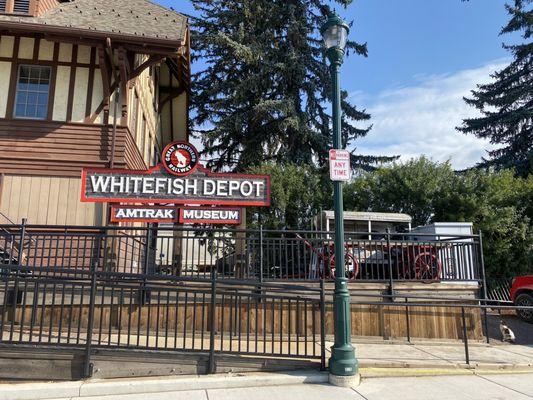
{"points": [[210, 215], [339, 165], [143, 214]]}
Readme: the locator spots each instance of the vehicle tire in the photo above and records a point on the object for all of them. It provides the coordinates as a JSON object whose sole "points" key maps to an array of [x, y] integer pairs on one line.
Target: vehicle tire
{"points": [[524, 300], [351, 266], [427, 267]]}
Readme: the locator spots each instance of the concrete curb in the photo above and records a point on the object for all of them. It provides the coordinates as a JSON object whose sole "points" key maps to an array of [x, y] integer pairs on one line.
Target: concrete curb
{"points": [[114, 387], [443, 365], [128, 386]]}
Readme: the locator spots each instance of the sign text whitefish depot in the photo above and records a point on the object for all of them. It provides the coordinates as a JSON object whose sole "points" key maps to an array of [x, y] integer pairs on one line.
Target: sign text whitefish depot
{"points": [[159, 186]]}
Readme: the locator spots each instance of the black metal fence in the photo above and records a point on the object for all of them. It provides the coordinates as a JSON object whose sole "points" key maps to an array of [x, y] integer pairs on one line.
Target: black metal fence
{"points": [[101, 310], [260, 255]]}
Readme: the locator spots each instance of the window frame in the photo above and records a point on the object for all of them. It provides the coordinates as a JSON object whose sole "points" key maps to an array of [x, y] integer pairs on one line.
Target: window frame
{"points": [[16, 94]]}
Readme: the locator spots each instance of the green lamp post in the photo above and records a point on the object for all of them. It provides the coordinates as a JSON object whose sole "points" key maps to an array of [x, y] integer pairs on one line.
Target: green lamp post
{"points": [[343, 365]]}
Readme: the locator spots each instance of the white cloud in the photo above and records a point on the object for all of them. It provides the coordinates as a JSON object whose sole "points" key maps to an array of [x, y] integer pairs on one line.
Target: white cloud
{"points": [[421, 118]]}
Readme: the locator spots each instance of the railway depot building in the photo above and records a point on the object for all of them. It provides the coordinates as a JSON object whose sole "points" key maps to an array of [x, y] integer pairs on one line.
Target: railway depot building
{"points": [[85, 83], [134, 259]]}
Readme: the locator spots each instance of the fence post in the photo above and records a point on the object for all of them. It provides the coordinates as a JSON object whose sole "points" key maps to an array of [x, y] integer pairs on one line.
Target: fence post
{"points": [[407, 320], [147, 249], [465, 336], [211, 367], [87, 366], [389, 259], [261, 253], [14, 294], [484, 283], [322, 326], [22, 236]]}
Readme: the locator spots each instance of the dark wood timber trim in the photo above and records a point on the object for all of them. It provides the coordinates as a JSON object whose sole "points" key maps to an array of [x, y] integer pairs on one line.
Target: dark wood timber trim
{"points": [[152, 60], [171, 112], [46, 62], [72, 83], [13, 80], [36, 48], [104, 70], [110, 88], [90, 85], [187, 57], [125, 70], [171, 93], [53, 80]]}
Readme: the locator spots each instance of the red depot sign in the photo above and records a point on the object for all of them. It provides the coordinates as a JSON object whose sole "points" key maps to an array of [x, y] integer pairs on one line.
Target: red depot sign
{"points": [[180, 179]]}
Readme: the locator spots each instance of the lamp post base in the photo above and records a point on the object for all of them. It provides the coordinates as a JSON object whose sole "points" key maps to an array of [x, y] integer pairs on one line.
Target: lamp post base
{"points": [[351, 381]]}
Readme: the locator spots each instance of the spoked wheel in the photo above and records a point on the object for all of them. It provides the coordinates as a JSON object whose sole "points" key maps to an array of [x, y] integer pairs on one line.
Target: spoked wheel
{"points": [[351, 266], [525, 300], [427, 267]]}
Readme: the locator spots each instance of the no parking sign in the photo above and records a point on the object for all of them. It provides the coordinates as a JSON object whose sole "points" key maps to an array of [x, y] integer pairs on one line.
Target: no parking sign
{"points": [[339, 165]]}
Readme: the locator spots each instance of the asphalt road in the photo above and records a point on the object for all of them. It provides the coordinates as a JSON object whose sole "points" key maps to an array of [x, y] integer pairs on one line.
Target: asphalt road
{"points": [[522, 330]]}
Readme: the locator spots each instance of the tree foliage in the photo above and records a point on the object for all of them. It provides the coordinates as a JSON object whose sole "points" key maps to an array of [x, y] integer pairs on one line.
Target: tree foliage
{"points": [[499, 204], [297, 195], [409, 187], [264, 91], [506, 103]]}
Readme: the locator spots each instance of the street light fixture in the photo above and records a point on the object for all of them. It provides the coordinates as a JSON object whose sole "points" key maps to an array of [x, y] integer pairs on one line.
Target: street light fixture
{"points": [[343, 366]]}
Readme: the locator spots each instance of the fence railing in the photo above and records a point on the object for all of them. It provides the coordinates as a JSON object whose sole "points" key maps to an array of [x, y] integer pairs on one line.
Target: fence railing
{"points": [[103, 310], [260, 255], [498, 290], [112, 311]]}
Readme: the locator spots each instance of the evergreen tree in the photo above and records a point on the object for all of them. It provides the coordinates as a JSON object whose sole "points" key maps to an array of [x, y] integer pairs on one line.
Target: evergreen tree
{"points": [[265, 89], [507, 103]]}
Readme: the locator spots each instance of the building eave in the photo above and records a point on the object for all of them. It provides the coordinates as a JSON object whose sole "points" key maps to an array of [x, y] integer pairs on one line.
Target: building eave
{"points": [[73, 32]]}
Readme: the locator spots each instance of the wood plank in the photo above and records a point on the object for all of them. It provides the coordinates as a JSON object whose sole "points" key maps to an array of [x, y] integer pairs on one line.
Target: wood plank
{"points": [[62, 203], [45, 194], [34, 198]]}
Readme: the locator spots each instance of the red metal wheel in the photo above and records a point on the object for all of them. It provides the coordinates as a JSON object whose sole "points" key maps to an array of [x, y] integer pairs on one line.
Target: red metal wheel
{"points": [[351, 266], [427, 267]]}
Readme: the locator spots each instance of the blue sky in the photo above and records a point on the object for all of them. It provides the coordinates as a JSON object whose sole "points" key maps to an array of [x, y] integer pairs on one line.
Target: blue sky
{"points": [[424, 56]]}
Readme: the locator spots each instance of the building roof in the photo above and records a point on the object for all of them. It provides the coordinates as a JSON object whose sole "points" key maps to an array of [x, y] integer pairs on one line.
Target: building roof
{"points": [[140, 19], [371, 216]]}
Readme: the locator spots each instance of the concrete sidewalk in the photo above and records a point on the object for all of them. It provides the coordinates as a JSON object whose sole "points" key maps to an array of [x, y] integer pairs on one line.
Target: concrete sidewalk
{"points": [[447, 355], [286, 386], [405, 362]]}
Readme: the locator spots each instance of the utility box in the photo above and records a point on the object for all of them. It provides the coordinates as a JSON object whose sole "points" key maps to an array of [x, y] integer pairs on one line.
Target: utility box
{"points": [[446, 228], [458, 261]]}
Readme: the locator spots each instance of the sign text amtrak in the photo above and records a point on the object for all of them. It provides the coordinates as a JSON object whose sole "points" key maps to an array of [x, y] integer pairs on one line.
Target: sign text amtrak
{"points": [[159, 186]]}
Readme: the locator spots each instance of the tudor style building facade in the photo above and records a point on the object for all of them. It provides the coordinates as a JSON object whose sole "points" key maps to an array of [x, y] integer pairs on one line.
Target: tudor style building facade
{"points": [[85, 83]]}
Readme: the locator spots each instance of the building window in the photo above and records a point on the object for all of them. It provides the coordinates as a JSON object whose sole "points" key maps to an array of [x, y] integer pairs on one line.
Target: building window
{"points": [[33, 87], [21, 6], [17, 7]]}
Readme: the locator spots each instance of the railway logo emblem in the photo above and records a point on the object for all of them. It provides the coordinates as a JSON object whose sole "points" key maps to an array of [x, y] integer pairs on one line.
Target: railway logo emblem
{"points": [[180, 158]]}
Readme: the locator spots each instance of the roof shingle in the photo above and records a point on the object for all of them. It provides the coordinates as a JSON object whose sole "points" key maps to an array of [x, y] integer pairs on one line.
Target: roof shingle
{"points": [[140, 18]]}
